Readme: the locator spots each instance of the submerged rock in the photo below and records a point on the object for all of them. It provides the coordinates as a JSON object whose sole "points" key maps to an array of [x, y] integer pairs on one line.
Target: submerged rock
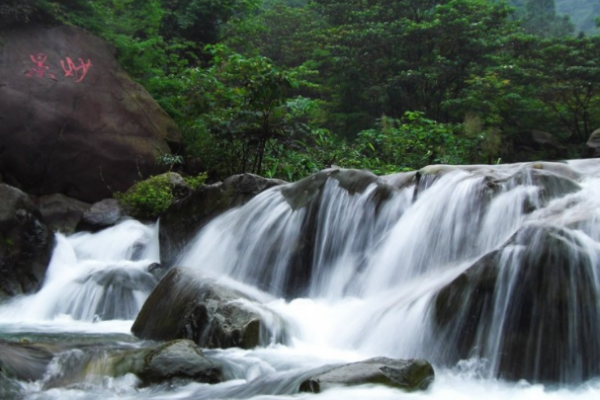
{"points": [[180, 359], [75, 364], [532, 307], [26, 243], [408, 375], [183, 306], [185, 218], [25, 362]]}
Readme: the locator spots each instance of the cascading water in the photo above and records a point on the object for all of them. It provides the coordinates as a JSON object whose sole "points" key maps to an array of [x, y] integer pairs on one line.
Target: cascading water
{"points": [[487, 271], [93, 277]]}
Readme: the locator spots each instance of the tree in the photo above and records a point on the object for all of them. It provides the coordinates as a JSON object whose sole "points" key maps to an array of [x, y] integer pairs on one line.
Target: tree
{"points": [[245, 103]]}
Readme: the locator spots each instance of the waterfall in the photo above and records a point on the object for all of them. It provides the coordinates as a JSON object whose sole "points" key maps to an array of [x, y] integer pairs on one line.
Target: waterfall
{"points": [[93, 277], [489, 272], [414, 260]]}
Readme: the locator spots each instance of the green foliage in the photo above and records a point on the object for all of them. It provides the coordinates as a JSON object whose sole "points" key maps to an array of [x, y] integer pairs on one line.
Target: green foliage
{"points": [[415, 141], [194, 182], [241, 105], [149, 198]]}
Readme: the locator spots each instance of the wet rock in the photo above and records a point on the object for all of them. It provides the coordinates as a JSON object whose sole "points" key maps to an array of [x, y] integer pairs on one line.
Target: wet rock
{"points": [[114, 294], [154, 364], [184, 306], [102, 215], [73, 121], [536, 299], [25, 362], [408, 375], [180, 359], [61, 213], [185, 218], [26, 243]]}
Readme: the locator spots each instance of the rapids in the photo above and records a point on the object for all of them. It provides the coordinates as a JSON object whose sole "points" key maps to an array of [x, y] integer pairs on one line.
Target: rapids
{"points": [[356, 273]]}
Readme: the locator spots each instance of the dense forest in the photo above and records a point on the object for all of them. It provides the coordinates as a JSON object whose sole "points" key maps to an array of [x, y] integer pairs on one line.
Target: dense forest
{"points": [[285, 88]]}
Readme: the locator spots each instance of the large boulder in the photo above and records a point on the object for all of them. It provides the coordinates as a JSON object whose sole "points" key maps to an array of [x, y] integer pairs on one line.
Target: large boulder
{"points": [[26, 243], [185, 306], [531, 307], [408, 375], [72, 121], [185, 218], [61, 213]]}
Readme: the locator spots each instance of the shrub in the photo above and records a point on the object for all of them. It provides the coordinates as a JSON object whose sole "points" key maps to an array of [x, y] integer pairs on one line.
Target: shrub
{"points": [[149, 198]]}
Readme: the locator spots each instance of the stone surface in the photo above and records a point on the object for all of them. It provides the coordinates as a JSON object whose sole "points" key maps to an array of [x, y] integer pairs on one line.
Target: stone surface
{"points": [[25, 362], [593, 144], [408, 375], [101, 215], [184, 306], [72, 121], [185, 218], [26, 243], [548, 301], [61, 213], [179, 359]]}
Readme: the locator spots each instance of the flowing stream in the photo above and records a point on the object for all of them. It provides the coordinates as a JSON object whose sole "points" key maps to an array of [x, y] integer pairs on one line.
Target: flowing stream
{"points": [[481, 270]]}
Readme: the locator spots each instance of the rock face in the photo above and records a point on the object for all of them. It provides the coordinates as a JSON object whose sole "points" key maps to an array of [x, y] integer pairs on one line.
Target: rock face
{"points": [[185, 218], [408, 375], [180, 359], [534, 303], [72, 121], [101, 215], [60, 212], [182, 306], [26, 243], [593, 144]]}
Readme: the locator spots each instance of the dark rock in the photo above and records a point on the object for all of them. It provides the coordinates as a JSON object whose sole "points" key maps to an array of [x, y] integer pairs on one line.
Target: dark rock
{"points": [[408, 375], [26, 243], [185, 218], [183, 306], [593, 144], [542, 284], [77, 126], [180, 359], [60, 212], [102, 215]]}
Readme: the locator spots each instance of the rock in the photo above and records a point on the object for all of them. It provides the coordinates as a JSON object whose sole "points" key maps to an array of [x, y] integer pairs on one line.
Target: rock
{"points": [[408, 375], [61, 213], [185, 218], [102, 215], [26, 243], [153, 364], [25, 362], [532, 307], [115, 290], [73, 122], [183, 306], [180, 359], [593, 144]]}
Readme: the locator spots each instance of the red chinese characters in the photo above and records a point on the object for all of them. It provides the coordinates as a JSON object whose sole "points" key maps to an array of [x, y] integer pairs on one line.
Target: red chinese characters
{"points": [[76, 71], [40, 69]]}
